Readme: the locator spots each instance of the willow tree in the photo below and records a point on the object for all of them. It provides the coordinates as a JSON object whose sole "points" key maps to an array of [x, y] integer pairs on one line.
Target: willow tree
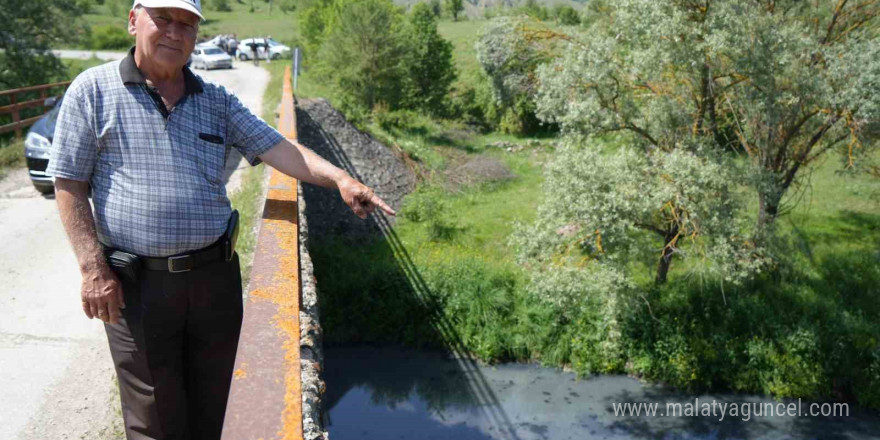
{"points": [[509, 50], [782, 81], [618, 207]]}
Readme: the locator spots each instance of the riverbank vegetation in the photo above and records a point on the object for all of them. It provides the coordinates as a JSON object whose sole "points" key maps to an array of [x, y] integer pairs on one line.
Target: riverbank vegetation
{"points": [[700, 208]]}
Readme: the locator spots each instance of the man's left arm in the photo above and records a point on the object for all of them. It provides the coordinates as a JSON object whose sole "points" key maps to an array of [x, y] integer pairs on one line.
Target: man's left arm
{"points": [[257, 141], [297, 161]]}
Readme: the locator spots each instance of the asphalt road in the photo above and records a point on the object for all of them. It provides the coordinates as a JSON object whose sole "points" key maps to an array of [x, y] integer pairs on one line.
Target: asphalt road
{"points": [[58, 379], [88, 54]]}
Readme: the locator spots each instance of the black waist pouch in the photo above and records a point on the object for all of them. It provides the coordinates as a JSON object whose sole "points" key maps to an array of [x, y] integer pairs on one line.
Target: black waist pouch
{"points": [[231, 235], [126, 266]]}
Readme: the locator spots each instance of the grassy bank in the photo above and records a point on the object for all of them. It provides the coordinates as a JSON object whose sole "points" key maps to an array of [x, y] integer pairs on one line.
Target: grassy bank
{"points": [[446, 277]]}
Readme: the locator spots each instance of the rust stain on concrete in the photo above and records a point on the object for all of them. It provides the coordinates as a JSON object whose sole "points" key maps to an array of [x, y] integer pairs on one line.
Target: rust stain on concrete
{"points": [[266, 396]]}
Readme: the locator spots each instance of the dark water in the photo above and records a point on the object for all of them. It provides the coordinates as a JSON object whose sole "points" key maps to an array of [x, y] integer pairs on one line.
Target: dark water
{"points": [[387, 394]]}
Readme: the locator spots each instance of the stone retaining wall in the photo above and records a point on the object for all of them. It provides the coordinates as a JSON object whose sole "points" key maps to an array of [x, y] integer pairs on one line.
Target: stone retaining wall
{"points": [[311, 354], [322, 213]]}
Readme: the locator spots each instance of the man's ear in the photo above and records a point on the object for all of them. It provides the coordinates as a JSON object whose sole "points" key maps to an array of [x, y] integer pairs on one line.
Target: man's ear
{"points": [[132, 20]]}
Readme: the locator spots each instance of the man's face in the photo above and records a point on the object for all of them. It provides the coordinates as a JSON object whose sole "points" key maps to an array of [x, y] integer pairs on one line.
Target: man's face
{"points": [[166, 36]]}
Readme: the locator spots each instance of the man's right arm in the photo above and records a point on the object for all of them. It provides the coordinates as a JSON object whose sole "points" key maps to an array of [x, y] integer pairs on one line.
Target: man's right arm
{"points": [[101, 290]]}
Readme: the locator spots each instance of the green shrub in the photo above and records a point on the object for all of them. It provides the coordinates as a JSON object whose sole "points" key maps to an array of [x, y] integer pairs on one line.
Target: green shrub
{"points": [[427, 205], [221, 5], [11, 155], [790, 366], [567, 16], [408, 121], [471, 101], [110, 37]]}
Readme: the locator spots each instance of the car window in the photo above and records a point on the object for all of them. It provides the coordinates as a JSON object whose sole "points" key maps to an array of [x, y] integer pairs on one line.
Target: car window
{"points": [[212, 51], [197, 51]]}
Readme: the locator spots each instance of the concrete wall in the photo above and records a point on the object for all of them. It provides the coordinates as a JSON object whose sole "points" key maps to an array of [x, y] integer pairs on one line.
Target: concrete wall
{"points": [[311, 355], [323, 213]]}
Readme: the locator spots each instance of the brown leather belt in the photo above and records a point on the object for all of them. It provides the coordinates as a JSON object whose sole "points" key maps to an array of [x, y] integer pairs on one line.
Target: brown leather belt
{"points": [[187, 262]]}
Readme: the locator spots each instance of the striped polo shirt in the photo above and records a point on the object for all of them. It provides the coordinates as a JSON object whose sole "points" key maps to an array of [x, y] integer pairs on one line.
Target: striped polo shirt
{"points": [[156, 175]]}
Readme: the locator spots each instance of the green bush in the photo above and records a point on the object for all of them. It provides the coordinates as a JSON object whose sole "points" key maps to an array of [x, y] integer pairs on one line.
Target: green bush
{"points": [[471, 102], [567, 16], [221, 5], [427, 205], [110, 37], [11, 155], [400, 120]]}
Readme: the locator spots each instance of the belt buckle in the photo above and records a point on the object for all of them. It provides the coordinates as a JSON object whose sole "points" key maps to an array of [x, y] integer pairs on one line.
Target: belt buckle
{"points": [[171, 264]]}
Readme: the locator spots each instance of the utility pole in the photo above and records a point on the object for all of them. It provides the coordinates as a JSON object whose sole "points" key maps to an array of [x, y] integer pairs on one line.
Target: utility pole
{"points": [[297, 61]]}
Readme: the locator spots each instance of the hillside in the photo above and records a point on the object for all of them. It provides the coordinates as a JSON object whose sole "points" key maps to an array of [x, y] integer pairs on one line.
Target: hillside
{"points": [[475, 9], [280, 25]]}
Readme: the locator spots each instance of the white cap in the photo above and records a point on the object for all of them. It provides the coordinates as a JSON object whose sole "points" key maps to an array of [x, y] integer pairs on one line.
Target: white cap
{"points": [[194, 6]]}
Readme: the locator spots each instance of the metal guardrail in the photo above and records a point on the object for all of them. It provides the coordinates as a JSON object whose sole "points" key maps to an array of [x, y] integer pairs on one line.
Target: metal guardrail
{"points": [[265, 401], [14, 107]]}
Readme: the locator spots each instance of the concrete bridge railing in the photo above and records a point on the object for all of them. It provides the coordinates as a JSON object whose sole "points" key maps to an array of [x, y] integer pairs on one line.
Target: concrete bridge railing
{"points": [[276, 389]]}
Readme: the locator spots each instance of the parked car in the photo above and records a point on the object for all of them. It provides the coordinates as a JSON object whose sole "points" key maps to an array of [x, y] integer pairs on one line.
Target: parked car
{"points": [[37, 145], [210, 57], [276, 49], [212, 42]]}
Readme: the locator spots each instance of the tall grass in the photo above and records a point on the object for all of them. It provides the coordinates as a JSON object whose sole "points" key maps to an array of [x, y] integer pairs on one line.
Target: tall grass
{"points": [[248, 201]]}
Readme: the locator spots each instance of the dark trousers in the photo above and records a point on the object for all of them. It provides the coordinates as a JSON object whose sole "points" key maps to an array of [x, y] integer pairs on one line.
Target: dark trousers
{"points": [[174, 350]]}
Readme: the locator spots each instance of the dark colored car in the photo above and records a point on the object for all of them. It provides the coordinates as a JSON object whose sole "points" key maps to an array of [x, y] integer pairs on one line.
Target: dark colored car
{"points": [[37, 145]]}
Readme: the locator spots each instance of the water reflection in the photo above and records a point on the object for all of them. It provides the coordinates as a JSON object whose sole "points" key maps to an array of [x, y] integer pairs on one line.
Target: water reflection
{"points": [[386, 393]]}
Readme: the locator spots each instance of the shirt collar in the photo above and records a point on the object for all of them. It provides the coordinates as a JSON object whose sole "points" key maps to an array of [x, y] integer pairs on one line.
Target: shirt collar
{"points": [[130, 74]]}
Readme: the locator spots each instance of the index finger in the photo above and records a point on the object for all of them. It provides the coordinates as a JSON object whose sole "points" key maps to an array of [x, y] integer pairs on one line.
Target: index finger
{"points": [[113, 309], [381, 204]]}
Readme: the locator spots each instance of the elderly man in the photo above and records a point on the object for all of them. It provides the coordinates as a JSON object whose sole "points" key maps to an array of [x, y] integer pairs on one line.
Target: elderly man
{"points": [[151, 140]]}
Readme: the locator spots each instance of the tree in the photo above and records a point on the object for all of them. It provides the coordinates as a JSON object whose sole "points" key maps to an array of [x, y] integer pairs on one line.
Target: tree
{"points": [[30, 29], [783, 82], [510, 54], [364, 53], [437, 8], [533, 9], [619, 207], [567, 16], [454, 7], [431, 67]]}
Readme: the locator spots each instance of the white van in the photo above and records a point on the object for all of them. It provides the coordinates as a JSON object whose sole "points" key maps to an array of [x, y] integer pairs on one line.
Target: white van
{"points": [[276, 49]]}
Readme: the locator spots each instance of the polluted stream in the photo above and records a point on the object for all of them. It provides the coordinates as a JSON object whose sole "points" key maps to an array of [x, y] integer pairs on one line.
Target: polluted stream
{"points": [[389, 393]]}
